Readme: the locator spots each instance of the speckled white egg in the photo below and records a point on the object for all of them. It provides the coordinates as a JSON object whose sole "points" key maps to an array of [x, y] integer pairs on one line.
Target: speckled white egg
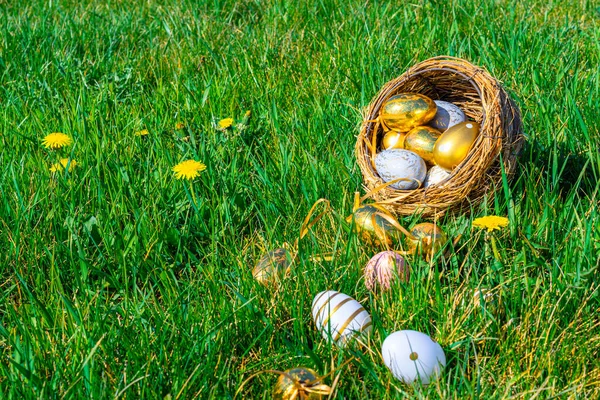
{"points": [[339, 317], [436, 176], [412, 356], [447, 115], [399, 163]]}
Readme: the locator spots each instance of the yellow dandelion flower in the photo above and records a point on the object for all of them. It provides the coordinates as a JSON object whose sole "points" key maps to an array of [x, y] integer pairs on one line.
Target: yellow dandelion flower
{"points": [[179, 125], [247, 115], [225, 123], [56, 140], [490, 222], [188, 169], [64, 162], [143, 132]]}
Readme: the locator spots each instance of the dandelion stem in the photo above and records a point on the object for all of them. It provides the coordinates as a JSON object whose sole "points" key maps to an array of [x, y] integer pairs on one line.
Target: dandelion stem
{"points": [[193, 194], [494, 248]]}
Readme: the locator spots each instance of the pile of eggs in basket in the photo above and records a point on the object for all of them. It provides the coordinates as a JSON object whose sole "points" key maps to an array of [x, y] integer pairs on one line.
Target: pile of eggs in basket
{"points": [[424, 141]]}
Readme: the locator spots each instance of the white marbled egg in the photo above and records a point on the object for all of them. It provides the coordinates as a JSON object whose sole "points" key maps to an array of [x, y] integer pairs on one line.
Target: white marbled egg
{"points": [[447, 115], [339, 317], [399, 163], [412, 356], [435, 176]]}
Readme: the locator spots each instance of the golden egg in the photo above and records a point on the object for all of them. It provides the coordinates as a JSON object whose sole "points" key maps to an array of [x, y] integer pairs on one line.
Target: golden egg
{"points": [[373, 225], [299, 383], [394, 140], [272, 267], [427, 239], [452, 146], [406, 111], [421, 140]]}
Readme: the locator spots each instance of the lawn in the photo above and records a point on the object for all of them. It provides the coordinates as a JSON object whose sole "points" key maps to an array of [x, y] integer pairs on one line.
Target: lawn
{"points": [[118, 280]]}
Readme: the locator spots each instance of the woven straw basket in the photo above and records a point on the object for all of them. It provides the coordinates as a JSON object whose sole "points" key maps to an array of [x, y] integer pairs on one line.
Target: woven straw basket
{"points": [[482, 99]]}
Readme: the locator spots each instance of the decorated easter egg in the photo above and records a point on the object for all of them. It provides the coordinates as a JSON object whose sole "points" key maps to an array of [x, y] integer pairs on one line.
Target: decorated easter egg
{"points": [[299, 383], [272, 267], [399, 163], [447, 116], [404, 111], [383, 269], [436, 176], [339, 317], [427, 238], [413, 356], [421, 140], [375, 225], [394, 140], [452, 146]]}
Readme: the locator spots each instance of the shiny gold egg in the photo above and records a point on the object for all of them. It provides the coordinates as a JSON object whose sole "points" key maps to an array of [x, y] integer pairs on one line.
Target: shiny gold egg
{"points": [[299, 383], [427, 239], [421, 140], [394, 140], [374, 226], [406, 111], [272, 267], [453, 146]]}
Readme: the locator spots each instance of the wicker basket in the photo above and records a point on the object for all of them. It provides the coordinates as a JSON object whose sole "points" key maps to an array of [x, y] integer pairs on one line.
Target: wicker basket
{"points": [[483, 100]]}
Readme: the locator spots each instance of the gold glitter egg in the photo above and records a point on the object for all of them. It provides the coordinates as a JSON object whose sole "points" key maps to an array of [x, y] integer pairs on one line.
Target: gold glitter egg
{"points": [[299, 383], [405, 111], [374, 226], [272, 267], [427, 239], [394, 140], [421, 140], [453, 146]]}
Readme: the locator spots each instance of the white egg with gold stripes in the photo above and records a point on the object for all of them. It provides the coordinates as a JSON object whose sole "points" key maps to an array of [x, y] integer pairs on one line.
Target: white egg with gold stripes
{"points": [[339, 317]]}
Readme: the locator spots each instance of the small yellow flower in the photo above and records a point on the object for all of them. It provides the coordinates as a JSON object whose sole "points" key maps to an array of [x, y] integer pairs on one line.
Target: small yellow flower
{"points": [[188, 169], [225, 123], [143, 132], [179, 125], [491, 222], [56, 140], [59, 166], [247, 115]]}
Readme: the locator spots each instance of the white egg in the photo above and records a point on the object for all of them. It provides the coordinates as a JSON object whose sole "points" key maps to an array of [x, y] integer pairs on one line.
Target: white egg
{"points": [[339, 317], [435, 176], [399, 163], [447, 115], [412, 356]]}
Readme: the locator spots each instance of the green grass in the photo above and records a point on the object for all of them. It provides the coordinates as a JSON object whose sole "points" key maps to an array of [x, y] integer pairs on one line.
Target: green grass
{"points": [[113, 283]]}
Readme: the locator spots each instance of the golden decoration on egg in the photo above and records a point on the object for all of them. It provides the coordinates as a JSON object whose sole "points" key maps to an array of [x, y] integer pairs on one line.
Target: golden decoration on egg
{"points": [[375, 225], [421, 140], [394, 140], [405, 111], [427, 238], [299, 383], [453, 146]]}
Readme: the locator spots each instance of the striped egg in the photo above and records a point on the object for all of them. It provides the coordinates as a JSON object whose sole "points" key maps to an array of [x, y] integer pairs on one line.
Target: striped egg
{"points": [[339, 317]]}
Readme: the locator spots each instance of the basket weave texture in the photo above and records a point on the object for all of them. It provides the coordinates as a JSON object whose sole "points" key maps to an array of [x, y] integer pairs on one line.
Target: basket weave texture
{"points": [[483, 99]]}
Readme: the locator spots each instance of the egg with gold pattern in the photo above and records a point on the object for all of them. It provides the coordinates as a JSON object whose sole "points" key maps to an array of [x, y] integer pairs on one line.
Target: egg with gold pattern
{"points": [[421, 140], [299, 383], [272, 267], [405, 111], [427, 239], [375, 225], [394, 140], [453, 146]]}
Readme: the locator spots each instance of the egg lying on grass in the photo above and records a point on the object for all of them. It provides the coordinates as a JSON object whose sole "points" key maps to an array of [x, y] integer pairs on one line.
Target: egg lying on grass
{"points": [[339, 317], [375, 225], [383, 269], [427, 239], [299, 383], [273, 267], [413, 356]]}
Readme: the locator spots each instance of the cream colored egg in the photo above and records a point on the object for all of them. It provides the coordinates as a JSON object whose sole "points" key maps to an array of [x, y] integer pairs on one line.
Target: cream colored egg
{"points": [[436, 176], [447, 115], [412, 356], [339, 317], [399, 163]]}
